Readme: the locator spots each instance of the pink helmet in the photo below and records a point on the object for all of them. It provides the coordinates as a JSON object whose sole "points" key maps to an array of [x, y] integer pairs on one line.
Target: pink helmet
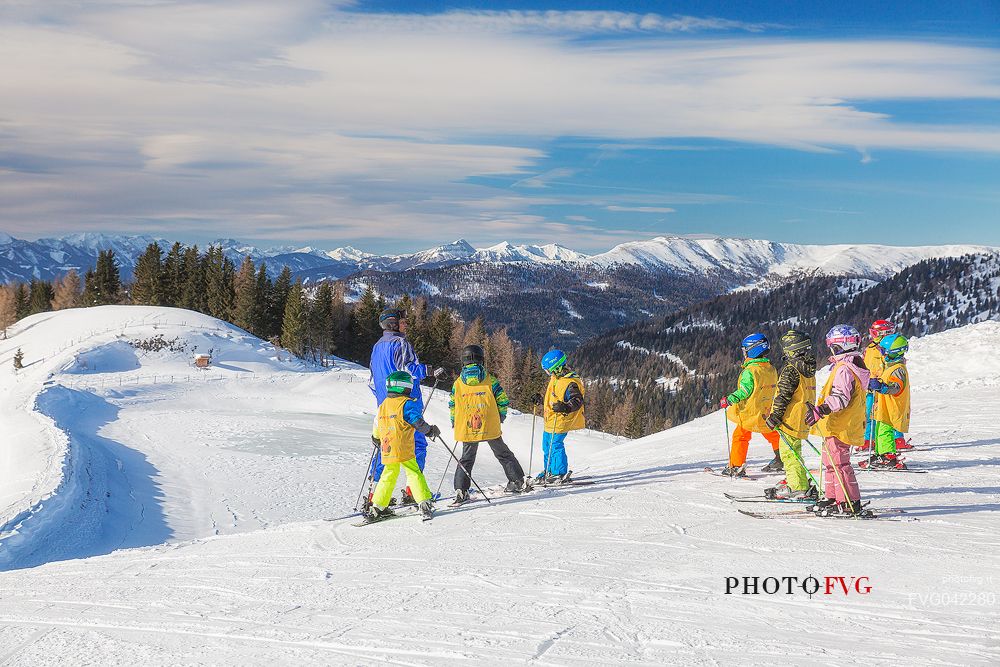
{"points": [[843, 338]]}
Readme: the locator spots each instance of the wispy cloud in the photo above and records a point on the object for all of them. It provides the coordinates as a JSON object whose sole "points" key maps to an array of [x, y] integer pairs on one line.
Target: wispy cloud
{"points": [[640, 209], [306, 120]]}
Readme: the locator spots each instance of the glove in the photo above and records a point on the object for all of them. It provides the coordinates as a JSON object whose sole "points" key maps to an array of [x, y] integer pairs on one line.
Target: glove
{"points": [[560, 407], [772, 422], [814, 414], [438, 372], [724, 402], [537, 399], [434, 432], [376, 442], [875, 384]]}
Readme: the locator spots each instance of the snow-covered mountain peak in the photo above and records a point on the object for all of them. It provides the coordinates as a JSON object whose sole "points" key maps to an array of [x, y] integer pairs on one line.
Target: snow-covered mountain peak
{"points": [[348, 254]]}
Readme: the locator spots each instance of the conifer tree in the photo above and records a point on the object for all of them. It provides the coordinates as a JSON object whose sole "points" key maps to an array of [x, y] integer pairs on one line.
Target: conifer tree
{"points": [[278, 301], [246, 303], [364, 321], [172, 285], [147, 287], [321, 321], [40, 298], [218, 283], [293, 327], [340, 319], [263, 302], [21, 300], [67, 292], [192, 294], [103, 284]]}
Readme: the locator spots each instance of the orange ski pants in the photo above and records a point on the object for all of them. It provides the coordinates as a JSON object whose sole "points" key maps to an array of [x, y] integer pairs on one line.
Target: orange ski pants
{"points": [[741, 443]]}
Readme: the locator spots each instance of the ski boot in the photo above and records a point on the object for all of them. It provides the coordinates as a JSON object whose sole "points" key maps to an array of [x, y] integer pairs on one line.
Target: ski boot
{"points": [[461, 497], [812, 493], [406, 498], [774, 466], [375, 514], [779, 491], [514, 486], [903, 444], [822, 506], [865, 447], [426, 510], [731, 471]]}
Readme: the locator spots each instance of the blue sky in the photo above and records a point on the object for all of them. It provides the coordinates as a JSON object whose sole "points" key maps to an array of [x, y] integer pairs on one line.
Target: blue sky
{"points": [[394, 126]]}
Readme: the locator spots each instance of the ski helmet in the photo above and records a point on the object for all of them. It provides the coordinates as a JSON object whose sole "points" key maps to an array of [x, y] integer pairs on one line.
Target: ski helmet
{"points": [[843, 338], [795, 343], [389, 319], [880, 329], [553, 361], [894, 346], [755, 345], [400, 383], [473, 354]]}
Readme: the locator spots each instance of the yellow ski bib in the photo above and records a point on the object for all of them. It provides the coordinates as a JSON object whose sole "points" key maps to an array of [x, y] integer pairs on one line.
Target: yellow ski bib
{"points": [[477, 417], [848, 425], [556, 422], [894, 410], [750, 413], [395, 433]]}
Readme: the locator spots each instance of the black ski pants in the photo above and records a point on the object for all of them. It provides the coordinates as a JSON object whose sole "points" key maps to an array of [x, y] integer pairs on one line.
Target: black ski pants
{"points": [[511, 467]]}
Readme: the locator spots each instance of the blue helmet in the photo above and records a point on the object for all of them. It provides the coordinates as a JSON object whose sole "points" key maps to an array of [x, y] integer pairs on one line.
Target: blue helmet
{"points": [[755, 345], [894, 346], [553, 361]]}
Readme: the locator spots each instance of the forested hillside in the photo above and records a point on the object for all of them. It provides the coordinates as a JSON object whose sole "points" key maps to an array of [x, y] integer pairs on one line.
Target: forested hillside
{"points": [[675, 368]]}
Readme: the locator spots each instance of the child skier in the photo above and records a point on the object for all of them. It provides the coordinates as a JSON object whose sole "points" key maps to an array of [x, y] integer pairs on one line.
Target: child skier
{"points": [[478, 407], [873, 361], [562, 412], [399, 419], [891, 414], [796, 389], [748, 405], [839, 417]]}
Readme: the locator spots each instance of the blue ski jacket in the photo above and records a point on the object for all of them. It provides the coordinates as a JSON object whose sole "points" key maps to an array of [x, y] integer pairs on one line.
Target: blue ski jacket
{"points": [[394, 353]]}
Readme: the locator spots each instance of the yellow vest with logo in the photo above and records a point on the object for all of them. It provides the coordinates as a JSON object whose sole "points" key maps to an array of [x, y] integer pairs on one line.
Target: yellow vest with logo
{"points": [[848, 425], [477, 417], [750, 413], [795, 413], [894, 410], [395, 433], [874, 360], [556, 422]]}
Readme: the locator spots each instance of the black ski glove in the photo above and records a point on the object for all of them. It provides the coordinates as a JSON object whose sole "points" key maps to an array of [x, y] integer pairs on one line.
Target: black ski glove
{"points": [[814, 414], [433, 432], [537, 399], [376, 442], [772, 422], [561, 407]]}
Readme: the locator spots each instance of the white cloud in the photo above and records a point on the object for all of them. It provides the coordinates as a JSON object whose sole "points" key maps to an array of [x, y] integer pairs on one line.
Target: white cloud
{"points": [[302, 121], [640, 209]]}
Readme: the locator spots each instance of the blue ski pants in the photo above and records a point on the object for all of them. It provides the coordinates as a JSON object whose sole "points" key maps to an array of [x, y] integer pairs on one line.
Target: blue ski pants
{"points": [[554, 453]]}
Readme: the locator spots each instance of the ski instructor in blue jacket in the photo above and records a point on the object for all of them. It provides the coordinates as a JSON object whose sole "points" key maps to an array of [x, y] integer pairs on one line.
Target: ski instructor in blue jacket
{"points": [[394, 353]]}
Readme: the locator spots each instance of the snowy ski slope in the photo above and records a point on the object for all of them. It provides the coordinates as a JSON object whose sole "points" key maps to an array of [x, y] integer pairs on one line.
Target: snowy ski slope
{"points": [[149, 518]]}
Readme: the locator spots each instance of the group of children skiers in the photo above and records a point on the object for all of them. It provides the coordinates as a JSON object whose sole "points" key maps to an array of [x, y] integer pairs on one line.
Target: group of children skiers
{"points": [[478, 407], [864, 405]]}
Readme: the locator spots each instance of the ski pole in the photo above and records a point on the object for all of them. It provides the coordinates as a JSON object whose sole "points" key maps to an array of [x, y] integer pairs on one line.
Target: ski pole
{"points": [[820, 455], [447, 467], [728, 445], [471, 478], [368, 476], [870, 430], [531, 452], [797, 456]]}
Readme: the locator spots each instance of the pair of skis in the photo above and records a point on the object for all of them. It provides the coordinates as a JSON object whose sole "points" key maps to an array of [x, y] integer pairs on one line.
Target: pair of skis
{"points": [[804, 512], [532, 486]]}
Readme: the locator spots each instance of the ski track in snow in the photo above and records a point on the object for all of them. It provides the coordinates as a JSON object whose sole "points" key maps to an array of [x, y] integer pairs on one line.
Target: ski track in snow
{"points": [[210, 548]]}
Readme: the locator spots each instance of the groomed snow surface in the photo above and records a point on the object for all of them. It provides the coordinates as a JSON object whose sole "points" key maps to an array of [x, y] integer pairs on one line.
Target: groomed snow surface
{"points": [[157, 514]]}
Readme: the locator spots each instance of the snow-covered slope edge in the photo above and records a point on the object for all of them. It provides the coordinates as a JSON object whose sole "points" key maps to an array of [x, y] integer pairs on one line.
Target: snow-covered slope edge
{"points": [[55, 463]]}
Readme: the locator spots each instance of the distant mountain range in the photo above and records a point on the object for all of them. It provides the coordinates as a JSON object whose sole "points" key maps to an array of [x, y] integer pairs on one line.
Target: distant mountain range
{"points": [[740, 259]]}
